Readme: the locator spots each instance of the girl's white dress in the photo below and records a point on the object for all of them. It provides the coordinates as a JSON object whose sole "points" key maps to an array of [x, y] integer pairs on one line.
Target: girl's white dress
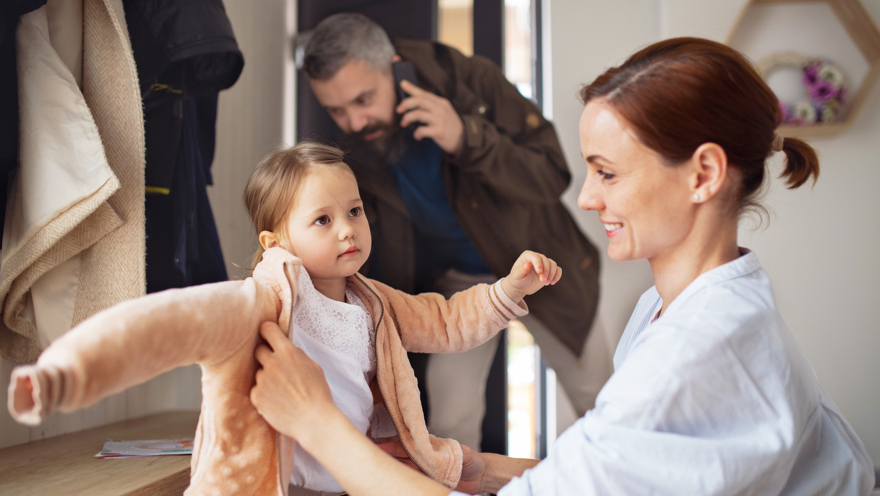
{"points": [[340, 337]]}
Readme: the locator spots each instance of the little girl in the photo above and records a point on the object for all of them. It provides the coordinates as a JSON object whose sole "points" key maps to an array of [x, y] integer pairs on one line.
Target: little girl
{"points": [[305, 205]]}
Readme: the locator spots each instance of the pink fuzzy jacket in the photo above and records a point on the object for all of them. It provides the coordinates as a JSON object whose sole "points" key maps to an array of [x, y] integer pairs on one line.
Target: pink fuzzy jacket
{"points": [[217, 326]]}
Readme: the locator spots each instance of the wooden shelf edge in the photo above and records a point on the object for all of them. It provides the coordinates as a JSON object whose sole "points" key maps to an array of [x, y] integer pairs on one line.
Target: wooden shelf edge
{"points": [[864, 33], [813, 131]]}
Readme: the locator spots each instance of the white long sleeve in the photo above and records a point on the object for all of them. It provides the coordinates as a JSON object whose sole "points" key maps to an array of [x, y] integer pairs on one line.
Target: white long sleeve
{"points": [[713, 397]]}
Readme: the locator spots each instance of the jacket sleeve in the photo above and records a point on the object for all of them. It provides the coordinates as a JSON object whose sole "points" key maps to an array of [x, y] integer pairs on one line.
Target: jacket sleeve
{"points": [[136, 340], [507, 142], [429, 323]]}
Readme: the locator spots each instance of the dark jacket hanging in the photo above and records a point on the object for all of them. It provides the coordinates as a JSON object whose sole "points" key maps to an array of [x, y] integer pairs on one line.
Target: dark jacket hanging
{"points": [[10, 11], [186, 54]]}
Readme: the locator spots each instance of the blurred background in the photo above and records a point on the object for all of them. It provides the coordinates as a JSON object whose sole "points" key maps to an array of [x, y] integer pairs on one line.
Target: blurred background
{"points": [[819, 245]]}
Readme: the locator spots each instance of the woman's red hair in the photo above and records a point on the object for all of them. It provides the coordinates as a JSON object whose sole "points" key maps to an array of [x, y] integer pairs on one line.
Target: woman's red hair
{"points": [[680, 93]]}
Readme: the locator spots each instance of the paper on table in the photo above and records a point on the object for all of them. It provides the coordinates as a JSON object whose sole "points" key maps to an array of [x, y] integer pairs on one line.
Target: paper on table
{"points": [[150, 447]]}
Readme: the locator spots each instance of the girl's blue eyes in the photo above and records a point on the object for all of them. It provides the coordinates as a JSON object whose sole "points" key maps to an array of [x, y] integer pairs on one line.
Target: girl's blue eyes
{"points": [[324, 220]]}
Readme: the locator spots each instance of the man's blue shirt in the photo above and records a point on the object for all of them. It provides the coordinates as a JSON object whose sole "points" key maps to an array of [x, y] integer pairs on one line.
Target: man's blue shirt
{"points": [[440, 242]]}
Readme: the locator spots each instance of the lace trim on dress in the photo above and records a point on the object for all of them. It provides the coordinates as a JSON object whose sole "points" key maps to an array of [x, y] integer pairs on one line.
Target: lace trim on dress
{"points": [[346, 328]]}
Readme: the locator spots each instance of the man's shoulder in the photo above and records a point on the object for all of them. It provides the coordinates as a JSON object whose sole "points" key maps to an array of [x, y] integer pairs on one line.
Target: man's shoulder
{"points": [[406, 46], [435, 63], [438, 62], [419, 51]]}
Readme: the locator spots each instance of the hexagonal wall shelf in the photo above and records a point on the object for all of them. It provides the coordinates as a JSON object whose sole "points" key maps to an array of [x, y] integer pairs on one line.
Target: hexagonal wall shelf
{"points": [[865, 36]]}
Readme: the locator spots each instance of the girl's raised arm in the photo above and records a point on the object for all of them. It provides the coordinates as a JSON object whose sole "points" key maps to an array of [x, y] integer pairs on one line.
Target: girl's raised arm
{"points": [[429, 323]]}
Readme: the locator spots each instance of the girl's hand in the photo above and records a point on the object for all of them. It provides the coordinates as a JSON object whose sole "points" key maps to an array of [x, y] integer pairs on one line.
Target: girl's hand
{"points": [[473, 469], [395, 449], [531, 272], [291, 392]]}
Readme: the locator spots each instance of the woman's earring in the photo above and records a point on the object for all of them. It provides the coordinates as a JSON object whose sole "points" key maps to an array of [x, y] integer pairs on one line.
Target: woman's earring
{"points": [[696, 197]]}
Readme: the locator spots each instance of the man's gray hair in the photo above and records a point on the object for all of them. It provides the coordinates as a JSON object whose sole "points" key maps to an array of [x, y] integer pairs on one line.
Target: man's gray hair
{"points": [[344, 37]]}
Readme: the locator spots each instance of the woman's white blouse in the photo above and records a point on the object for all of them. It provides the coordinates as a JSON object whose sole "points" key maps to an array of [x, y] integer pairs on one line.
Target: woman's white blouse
{"points": [[713, 397]]}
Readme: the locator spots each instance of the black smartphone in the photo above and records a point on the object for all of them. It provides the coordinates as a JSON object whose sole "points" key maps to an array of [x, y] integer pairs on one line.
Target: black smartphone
{"points": [[405, 71]]}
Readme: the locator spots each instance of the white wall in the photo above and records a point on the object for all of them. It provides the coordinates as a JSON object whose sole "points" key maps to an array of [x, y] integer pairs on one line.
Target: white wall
{"points": [[254, 116], [585, 38], [821, 245]]}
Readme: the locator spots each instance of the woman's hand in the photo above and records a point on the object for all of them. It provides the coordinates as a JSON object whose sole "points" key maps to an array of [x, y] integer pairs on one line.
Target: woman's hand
{"points": [[531, 272], [291, 392], [292, 395]]}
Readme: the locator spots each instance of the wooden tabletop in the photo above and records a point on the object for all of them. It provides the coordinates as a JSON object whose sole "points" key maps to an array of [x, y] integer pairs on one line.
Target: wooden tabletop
{"points": [[67, 464]]}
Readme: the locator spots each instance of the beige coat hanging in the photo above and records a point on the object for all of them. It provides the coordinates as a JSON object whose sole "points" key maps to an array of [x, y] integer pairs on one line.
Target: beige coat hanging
{"points": [[74, 239]]}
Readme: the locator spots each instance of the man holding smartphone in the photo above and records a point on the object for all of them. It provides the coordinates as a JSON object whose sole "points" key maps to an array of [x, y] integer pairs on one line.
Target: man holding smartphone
{"points": [[459, 174]]}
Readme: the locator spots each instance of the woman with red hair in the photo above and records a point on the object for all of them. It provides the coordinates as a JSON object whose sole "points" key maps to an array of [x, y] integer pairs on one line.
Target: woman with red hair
{"points": [[710, 393]]}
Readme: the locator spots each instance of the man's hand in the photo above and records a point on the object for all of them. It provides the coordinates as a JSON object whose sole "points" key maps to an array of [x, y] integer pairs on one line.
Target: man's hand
{"points": [[291, 392], [473, 468], [531, 272], [441, 122]]}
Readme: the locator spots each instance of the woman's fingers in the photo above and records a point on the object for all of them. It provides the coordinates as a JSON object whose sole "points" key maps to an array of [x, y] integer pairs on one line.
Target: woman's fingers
{"points": [[273, 335], [278, 342], [263, 354], [290, 393], [257, 392]]}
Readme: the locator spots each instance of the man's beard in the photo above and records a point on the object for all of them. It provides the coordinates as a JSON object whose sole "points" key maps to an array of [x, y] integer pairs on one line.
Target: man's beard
{"points": [[386, 149]]}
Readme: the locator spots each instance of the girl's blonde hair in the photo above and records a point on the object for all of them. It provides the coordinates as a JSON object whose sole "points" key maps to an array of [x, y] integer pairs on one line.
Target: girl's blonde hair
{"points": [[272, 188]]}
